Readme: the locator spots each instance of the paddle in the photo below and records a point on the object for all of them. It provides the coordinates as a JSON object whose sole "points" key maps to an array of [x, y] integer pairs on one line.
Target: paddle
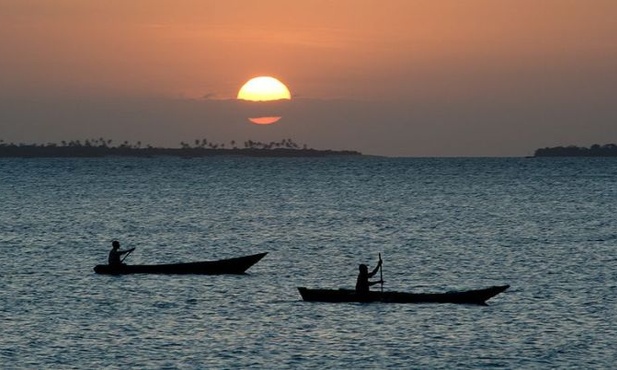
{"points": [[381, 272], [127, 254]]}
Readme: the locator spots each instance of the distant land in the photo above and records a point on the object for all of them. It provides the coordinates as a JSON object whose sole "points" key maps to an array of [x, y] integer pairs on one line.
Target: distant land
{"points": [[596, 150], [200, 148]]}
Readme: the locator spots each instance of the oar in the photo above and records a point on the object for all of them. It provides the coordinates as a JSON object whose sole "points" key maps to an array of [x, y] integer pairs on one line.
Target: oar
{"points": [[381, 273], [127, 254]]}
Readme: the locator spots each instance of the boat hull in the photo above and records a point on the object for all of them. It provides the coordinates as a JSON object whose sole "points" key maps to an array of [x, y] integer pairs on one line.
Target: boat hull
{"points": [[478, 296], [237, 265]]}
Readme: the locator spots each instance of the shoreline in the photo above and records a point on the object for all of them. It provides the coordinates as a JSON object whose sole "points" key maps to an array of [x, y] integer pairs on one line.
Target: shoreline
{"points": [[31, 151]]}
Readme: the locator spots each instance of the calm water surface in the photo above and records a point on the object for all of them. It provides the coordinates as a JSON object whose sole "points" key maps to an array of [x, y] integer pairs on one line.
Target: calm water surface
{"points": [[547, 227]]}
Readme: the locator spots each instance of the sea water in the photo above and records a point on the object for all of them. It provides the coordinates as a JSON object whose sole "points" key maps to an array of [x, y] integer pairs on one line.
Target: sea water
{"points": [[545, 226]]}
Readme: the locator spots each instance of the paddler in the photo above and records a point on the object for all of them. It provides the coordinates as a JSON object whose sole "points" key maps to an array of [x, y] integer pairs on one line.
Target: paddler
{"points": [[363, 283], [115, 253]]}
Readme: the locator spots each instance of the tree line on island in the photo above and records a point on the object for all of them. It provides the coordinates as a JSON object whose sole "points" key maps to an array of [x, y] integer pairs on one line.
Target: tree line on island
{"points": [[596, 150], [102, 147]]}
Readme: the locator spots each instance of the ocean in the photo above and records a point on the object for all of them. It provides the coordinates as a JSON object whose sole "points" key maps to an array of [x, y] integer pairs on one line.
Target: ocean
{"points": [[545, 226]]}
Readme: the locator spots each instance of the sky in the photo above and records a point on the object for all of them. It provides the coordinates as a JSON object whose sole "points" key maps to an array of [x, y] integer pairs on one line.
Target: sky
{"points": [[384, 77]]}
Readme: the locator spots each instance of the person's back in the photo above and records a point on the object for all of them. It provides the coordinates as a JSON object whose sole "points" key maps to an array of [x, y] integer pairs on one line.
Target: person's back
{"points": [[114, 255], [362, 284]]}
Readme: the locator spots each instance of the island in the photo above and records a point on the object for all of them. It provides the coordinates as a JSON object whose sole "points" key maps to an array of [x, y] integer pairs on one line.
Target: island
{"points": [[200, 148], [596, 150]]}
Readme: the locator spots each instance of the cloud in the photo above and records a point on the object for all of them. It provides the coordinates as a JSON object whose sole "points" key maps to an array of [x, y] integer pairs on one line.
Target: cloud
{"points": [[506, 126]]}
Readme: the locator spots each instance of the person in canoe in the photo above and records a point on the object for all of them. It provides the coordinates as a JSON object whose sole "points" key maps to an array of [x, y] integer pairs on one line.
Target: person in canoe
{"points": [[363, 283], [115, 253]]}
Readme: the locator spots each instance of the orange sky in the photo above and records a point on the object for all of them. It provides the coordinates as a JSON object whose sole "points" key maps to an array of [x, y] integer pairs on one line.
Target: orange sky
{"points": [[466, 66]]}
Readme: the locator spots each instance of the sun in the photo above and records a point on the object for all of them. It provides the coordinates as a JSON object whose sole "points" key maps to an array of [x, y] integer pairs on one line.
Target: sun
{"points": [[264, 93], [264, 88], [265, 120]]}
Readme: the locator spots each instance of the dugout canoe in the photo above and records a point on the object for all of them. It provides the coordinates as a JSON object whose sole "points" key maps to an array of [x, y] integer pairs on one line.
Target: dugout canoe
{"points": [[237, 265], [478, 296]]}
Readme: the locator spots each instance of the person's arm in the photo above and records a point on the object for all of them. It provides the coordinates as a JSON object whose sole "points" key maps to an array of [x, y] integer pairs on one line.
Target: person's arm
{"points": [[127, 251], [375, 270]]}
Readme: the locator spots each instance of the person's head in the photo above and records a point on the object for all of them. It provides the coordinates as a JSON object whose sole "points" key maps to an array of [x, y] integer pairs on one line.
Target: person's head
{"points": [[115, 244], [363, 268]]}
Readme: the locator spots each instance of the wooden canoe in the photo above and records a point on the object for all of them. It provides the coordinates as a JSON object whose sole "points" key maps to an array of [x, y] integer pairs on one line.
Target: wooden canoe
{"points": [[237, 265], [478, 296]]}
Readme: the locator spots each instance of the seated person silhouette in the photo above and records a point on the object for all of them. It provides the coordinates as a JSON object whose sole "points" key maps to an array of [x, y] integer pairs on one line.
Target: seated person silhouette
{"points": [[115, 253], [363, 283]]}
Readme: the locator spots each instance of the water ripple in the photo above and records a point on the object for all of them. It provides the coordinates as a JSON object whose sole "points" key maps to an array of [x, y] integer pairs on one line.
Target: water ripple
{"points": [[546, 227]]}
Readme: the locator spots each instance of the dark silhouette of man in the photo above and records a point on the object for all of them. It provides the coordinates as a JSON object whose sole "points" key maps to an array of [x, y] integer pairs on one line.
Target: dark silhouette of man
{"points": [[363, 283], [115, 253]]}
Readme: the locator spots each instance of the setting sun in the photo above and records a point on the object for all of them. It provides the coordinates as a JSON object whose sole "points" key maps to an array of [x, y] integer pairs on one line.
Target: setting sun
{"points": [[262, 92], [264, 88]]}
